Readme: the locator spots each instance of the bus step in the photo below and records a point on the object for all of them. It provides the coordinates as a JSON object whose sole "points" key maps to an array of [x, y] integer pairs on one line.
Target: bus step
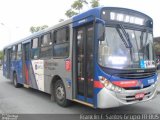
{"points": [[26, 86], [84, 103]]}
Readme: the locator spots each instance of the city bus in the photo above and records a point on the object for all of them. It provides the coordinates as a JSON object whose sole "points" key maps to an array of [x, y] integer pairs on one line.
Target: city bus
{"points": [[101, 58]]}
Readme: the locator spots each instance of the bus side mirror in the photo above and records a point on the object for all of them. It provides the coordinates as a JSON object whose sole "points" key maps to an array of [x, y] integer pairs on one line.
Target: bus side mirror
{"points": [[100, 29], [101, 34]]}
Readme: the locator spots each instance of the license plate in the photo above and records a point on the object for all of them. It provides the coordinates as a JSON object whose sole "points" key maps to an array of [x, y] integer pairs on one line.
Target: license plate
{"points": [[139, 96]]}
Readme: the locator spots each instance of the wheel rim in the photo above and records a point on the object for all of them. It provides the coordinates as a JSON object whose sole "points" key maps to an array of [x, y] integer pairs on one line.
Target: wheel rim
{"points": [[60, 92]]}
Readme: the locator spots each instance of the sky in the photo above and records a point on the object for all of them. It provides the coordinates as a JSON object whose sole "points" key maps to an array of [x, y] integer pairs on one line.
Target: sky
{"points": [[17, 16]]}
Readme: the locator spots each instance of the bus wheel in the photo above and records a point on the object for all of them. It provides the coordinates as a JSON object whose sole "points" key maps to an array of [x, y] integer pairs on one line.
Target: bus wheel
{"points": [[17, 85], [60, 94]]}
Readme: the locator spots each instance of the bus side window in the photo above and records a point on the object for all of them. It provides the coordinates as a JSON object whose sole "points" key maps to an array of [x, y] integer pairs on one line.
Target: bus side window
{"points": [[19, 52], [61, 40], [35, 49], [14, 51], [46, 46]]}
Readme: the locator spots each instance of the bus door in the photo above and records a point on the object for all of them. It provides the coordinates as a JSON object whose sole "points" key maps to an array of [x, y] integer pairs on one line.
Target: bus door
{"points": [[26, 62], [19, 64], [8, 63], [84, 63]]}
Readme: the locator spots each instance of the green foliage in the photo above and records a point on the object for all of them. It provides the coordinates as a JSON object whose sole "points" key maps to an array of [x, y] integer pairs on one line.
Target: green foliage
{"points": [[34, 29], [78, 5], [69, 13], [1, 55], [94, 3]]}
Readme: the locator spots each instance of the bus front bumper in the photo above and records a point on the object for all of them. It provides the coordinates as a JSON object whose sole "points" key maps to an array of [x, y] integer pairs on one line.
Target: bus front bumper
{"points": [[109, 99]]}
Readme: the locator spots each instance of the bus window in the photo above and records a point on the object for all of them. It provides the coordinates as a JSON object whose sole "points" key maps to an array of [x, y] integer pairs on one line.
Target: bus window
{"points": [[14, 51], [26, 51], [61, 39], [35, 49], [46, 46], [35, 43], [19, 52]]}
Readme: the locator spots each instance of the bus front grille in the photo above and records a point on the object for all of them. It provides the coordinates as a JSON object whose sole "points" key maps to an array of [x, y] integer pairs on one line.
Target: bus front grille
{"points": [[136, 88], [135, 75]]}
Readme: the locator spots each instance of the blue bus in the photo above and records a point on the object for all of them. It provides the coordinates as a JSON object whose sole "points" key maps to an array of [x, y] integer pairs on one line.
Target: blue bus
{"points": [[101, 58]]}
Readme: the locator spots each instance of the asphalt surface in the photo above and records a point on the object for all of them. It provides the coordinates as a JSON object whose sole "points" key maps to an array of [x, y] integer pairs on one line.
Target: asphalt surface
{"points": [[30, 101]]}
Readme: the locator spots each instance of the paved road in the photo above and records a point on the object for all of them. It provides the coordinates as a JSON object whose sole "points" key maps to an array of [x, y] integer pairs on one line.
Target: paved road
{"points": [[23, 100]]}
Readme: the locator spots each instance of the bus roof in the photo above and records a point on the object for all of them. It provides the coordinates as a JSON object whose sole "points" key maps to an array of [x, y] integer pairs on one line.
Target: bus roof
{"points": [[92, 12], [97, 12]]}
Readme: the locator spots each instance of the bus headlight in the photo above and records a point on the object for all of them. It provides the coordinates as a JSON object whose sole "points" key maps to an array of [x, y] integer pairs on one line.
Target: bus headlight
{"points": [[107, 84]]}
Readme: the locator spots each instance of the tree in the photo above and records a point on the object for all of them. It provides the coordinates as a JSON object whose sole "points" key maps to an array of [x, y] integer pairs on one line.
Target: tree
{"points": [[69, 13], [1, 55], [94, 3], [34, 29], [78, 5]]}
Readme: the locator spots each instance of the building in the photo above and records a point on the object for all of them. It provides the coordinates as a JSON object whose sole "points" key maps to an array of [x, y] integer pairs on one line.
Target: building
{"points": [[157, 45], [157, 49]]}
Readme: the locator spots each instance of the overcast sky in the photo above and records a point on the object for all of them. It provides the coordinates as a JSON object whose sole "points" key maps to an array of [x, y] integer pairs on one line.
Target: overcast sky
{"points": [[17, 16]]}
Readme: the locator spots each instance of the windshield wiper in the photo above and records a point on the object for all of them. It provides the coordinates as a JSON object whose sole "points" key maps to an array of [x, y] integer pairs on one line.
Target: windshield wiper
{"points": [[126, 40], [145, 44]]}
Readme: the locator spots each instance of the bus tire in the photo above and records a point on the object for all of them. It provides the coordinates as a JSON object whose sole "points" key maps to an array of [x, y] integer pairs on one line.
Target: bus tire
{"points": [[60, 94], [16, 85]]}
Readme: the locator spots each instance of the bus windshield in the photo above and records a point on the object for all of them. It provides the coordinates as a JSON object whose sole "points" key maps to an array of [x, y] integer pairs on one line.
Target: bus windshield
{"points": [[114, 53]]}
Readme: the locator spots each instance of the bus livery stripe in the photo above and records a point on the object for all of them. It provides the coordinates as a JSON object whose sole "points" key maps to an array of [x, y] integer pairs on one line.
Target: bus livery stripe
{"points": [[98, 84], [125, 84]]}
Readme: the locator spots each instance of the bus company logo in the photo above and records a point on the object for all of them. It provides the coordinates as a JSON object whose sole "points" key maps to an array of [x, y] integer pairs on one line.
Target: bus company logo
{"points": [[140, 71], [38, 67], [38, 62], [82, 21]]}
